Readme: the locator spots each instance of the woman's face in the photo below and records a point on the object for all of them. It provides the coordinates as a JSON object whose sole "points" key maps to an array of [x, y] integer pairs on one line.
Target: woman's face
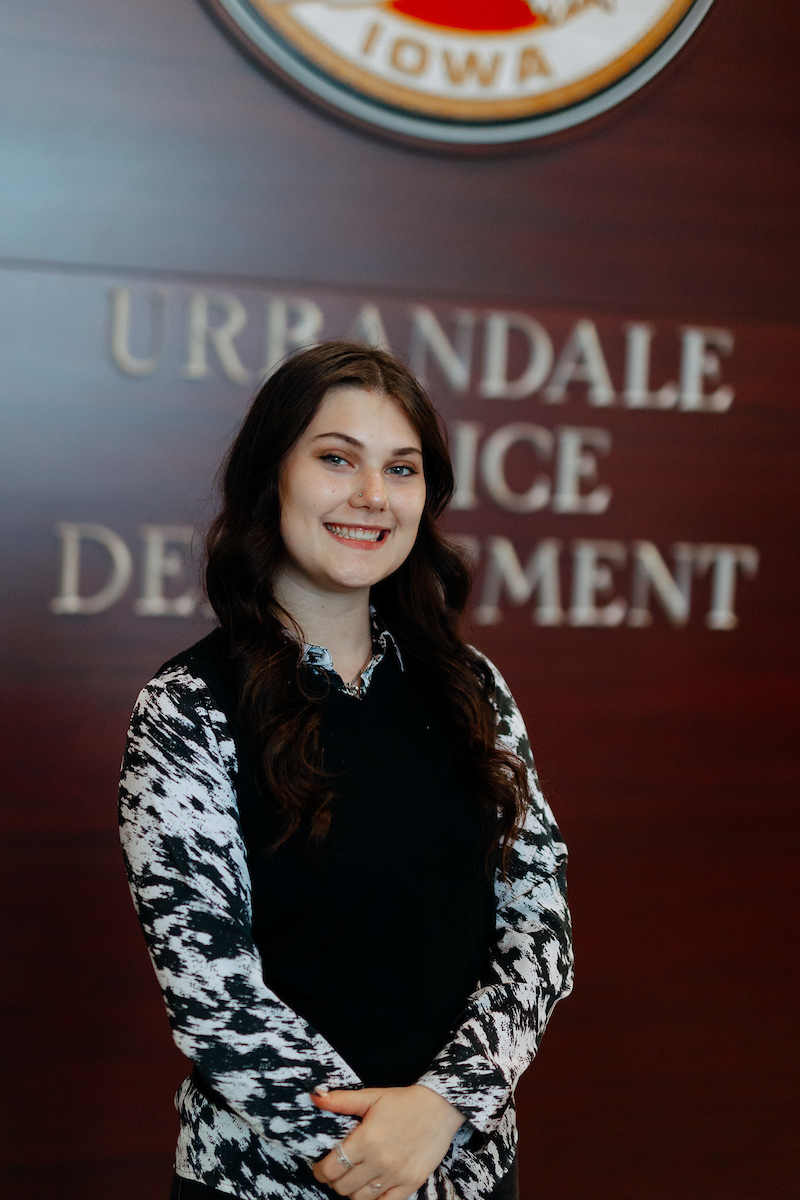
{"points": [[352, 493]]}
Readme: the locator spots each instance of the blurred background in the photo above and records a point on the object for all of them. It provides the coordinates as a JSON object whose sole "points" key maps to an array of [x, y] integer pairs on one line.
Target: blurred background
{"points": [[608, 322]]}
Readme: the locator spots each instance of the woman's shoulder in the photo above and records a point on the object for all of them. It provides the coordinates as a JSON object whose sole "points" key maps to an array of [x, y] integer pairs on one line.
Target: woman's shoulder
{"points": [[179, 764], [502, 692], [510, 725], [191, 693], [194, 674]]}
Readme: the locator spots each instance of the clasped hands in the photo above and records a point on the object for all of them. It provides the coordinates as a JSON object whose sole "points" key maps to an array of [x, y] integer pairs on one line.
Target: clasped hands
{"points": [[403, 1136]]}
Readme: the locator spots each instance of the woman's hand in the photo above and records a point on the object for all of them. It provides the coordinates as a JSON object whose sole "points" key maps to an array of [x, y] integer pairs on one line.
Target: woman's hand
{"points": [[403, 1136]]}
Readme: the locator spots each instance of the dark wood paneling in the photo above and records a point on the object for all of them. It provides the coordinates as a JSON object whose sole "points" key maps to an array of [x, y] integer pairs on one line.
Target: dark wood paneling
{"points": [[135, 136]]}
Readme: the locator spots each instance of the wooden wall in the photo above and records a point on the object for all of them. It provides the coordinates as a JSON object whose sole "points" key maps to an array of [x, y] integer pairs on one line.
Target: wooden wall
{"points": [[141, 154]]}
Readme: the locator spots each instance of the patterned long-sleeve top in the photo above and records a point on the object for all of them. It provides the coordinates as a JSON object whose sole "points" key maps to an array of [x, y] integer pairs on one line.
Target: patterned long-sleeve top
{"points": [[254, 1130]]}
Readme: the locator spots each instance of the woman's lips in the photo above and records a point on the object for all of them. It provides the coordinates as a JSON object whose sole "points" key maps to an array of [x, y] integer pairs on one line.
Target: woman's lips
{"points": [[366, 537]]}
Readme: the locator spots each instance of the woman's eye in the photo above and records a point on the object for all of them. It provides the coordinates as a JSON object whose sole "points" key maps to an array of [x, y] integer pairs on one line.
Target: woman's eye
{"points": [[334, 459], [402, 469]]}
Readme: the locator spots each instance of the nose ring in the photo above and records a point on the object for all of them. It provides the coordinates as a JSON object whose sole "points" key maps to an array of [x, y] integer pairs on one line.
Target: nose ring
{"points": [[360, 494]]}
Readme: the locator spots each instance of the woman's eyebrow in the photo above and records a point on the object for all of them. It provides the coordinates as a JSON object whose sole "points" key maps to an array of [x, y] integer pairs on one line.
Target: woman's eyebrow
{"points": [[345, 437]]}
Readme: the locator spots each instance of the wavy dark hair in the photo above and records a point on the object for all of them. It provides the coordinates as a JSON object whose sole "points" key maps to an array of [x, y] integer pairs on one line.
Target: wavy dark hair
{"points": [[422, 602]]}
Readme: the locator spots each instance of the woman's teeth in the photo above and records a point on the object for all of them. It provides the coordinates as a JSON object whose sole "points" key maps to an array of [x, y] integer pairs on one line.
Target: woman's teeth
{"points": [[355, 535]]}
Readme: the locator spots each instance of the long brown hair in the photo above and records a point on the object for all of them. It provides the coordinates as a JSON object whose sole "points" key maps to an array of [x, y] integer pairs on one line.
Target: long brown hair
{"points": [[422, 602]]}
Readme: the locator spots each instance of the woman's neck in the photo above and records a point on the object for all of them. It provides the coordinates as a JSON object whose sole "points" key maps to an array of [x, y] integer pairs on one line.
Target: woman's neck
{"points": [[338, 621]]}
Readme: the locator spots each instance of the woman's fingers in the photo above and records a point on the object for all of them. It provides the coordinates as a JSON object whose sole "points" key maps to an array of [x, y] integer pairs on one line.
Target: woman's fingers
{"points": [[403, 1136], [331, 1169], [377, 1190], [392, 1193], [356, 1103], [370, 1192], [343, 1168], [359, 1182], [354, 1181]]}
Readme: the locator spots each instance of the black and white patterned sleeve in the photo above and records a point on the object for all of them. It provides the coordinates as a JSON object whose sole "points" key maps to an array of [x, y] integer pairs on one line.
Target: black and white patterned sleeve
{"points": [[530, 965], [188, 874]]}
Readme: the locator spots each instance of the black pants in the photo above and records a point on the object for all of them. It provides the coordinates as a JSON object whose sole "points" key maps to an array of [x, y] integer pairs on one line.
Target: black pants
{"points": [[187, 1189]]}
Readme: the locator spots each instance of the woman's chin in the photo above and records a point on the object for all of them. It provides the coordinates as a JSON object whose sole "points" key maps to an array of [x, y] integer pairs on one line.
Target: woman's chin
{"points": [[355, 576], [351, 566], [356, 582]]}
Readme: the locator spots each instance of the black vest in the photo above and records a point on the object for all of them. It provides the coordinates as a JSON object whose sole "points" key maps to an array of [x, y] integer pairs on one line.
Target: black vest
{"points": [[378, 940]]}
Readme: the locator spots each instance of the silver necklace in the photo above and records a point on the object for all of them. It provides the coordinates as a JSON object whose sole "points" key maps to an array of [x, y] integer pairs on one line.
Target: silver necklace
{"points": [[353, 688]]}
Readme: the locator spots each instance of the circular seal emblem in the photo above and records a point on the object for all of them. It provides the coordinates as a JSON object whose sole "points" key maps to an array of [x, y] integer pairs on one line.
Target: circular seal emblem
{"points": [[464, 72]]}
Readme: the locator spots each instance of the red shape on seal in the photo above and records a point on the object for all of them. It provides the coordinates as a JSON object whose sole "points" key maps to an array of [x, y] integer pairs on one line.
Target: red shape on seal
{"points": [[471, 16]]}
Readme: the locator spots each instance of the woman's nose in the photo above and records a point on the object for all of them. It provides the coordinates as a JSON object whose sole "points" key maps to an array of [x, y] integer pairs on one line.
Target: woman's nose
{"points": [[370, 490]]}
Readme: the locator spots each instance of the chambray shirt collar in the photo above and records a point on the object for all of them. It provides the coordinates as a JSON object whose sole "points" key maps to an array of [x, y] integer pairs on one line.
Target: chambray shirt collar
{"points": [[319, 658]]}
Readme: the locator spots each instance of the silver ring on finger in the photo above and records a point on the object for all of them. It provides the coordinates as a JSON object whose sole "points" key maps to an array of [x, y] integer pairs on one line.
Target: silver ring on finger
{"points": [[376, 1187], [341, 1156]]}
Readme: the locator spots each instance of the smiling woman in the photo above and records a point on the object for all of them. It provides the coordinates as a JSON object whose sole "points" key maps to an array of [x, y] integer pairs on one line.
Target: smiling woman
{"points": [[352, 496], [350, 884]]}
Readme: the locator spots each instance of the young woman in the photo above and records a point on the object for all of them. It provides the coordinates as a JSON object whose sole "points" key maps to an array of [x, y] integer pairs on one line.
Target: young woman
{"points": [[351, 887]]}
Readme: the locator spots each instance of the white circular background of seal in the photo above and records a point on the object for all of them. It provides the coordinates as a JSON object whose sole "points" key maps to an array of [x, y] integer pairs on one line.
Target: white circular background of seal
{"points": [[380, 63]]}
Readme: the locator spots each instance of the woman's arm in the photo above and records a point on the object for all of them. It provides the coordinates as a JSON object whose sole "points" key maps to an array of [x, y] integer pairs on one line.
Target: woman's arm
{"points": [[188, 875], [530, 966]]}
